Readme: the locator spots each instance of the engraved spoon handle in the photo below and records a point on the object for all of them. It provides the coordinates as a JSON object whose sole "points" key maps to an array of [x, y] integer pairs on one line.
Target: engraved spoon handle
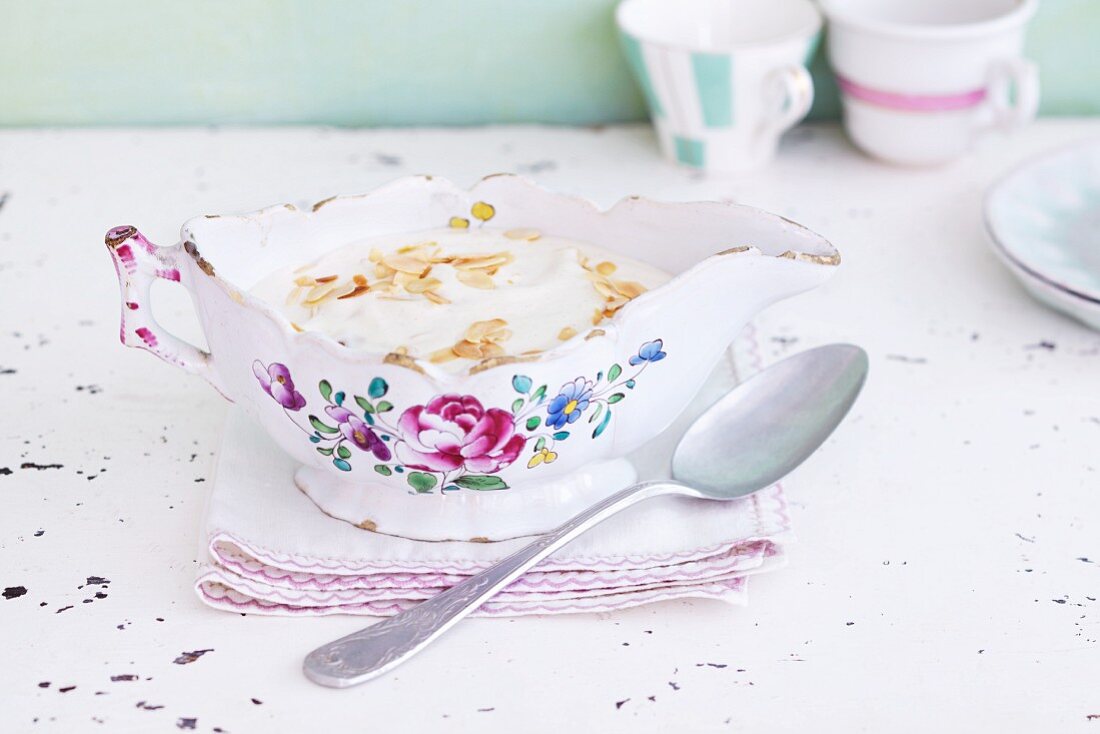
{"points": [[372, 651]]}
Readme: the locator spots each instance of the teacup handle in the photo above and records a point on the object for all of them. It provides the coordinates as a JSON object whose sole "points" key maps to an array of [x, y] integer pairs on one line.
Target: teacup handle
{"points": [[797, 89], [1006, 75], [139, 263]]}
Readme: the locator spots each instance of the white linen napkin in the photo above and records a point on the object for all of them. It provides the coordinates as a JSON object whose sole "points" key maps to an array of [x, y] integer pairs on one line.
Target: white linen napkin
{"points": [[272, 551]]}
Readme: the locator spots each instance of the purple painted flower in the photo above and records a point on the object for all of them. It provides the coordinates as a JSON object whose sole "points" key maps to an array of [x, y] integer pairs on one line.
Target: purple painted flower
{"points": [[276, 382], [358, 432]]}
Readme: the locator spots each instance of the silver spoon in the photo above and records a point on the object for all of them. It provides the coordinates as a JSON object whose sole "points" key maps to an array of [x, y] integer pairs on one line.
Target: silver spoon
{"points": [[748, 440]]}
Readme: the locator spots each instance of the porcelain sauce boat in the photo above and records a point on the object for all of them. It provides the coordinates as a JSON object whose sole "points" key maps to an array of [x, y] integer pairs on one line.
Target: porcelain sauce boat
{"points": [[510, 445]]}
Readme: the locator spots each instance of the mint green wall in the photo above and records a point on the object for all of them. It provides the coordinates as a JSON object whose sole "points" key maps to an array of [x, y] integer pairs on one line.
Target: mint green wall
{"points": [[380, 62]]}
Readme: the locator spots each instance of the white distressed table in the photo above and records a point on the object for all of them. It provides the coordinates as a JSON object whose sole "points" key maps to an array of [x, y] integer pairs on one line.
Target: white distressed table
{"points": [[948, 568]]}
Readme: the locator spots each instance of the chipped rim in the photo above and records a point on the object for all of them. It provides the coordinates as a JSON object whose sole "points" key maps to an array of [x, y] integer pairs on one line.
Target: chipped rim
{"points": [[435, 373]]}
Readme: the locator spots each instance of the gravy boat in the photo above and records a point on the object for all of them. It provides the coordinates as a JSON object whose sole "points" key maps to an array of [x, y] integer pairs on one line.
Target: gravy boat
{"points": [[514, 444]]}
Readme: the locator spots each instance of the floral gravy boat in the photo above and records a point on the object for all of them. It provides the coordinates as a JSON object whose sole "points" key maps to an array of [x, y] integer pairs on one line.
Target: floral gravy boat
{"points": [[514, 443]]}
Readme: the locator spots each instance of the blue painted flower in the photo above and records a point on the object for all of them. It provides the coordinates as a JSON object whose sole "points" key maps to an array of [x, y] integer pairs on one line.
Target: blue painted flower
{"points": [[649, 352], [570, 402]]}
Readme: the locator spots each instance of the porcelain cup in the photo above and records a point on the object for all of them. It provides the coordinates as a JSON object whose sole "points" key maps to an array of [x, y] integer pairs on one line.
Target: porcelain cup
{"points": [[921, 80], [723, 79]]}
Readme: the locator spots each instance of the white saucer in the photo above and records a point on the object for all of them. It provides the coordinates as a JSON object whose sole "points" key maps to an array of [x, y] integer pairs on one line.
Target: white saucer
{"points": [[1044, 221]]}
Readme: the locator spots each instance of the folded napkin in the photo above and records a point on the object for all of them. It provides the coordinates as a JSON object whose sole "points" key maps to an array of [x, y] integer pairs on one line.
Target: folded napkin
{"points": [[272, 551]]}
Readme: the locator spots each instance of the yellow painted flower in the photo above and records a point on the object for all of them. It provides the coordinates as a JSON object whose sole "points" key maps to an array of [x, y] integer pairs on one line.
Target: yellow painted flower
{"points": [[459, 223], [542, 456], [483, 211]]}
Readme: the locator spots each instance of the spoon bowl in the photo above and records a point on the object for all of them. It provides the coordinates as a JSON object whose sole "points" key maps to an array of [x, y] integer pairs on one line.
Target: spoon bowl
{"points": [[758, 433]]}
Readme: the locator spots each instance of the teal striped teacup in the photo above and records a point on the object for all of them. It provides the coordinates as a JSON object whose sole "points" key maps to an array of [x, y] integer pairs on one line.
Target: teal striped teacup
{"points": [[723, 79]]}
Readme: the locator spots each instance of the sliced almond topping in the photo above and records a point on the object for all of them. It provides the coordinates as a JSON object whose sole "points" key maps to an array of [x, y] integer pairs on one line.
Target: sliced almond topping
{"points": [[359, 279], [319, 293], [606, 268], [597, 317], [489, 349], [480, 329], [294, 295], [402, 350], [406, 264], [296, 327], [629, 288], [326, 279], [523, 234], [567, 333], [440, 356], [375, 255], [357, 291], [381, 270], [478, 262], [475, 279], [435, 297], [501, 335], [605, 289], [304, 280], [467, 350], [421, 285]]}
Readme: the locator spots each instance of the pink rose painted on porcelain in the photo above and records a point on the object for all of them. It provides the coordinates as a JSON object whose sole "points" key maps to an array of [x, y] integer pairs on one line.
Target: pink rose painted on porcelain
{"points": [[456, 432]]}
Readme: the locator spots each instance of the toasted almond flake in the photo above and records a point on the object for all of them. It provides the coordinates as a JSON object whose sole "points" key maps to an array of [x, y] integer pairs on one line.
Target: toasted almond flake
{"points": [[467, 350], [326, 279], [629, 288], [294, 295], [319, 293], [375, 255], [381, 270], [567, 333], [605, 288], [606, 268], [616, 303], [440, 356], [422, 284], [406, 249], [402, 350], [490, 349], [501, 335], [359, 279], [406, 264], [296, 327], [305, 280], [475, 279], [345, 289], [480, 329], [523, 234], [358, 291], [530, 352], [435, 297], [597, 317]]}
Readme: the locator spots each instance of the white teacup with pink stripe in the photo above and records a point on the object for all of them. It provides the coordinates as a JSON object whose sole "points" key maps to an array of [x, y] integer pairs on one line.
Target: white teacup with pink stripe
{"points": [[922, 79]]}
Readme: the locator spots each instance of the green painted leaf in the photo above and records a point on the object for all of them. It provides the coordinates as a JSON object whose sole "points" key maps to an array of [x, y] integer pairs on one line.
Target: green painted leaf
{"points": [[616, 397], [522, 384], [540, 444], [320, 426], [614, 372], [324, 451], [481, 482], [539, 394], [378, 388], [517, 406], [343, 451], [533, 422], [603, 424], [384, 406], [383, 470], [341, 465], [596, 413], [561, 435], [364, 404], [421, 481], [326, 389]]}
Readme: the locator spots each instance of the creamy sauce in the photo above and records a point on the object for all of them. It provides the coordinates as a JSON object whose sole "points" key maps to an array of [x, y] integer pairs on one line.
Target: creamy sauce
{"points": [[456, 296]]}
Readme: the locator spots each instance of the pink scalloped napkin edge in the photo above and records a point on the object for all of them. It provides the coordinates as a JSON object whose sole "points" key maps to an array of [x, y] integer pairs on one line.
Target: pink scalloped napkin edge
{"points": [[271, 551]]}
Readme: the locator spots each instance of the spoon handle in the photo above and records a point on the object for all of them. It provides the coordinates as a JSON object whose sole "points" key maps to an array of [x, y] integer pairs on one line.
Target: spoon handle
{"points": [[377, 649]]}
